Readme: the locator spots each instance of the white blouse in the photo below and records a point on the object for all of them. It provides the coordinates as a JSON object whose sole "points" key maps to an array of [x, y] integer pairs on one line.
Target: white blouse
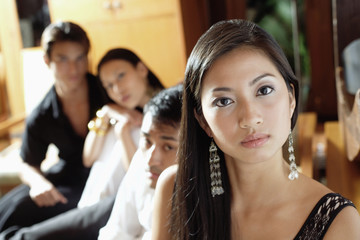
{"points": [[107, 171]]}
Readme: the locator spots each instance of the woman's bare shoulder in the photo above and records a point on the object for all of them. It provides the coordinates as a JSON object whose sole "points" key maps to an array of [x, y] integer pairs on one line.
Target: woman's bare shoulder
{"points": [[162, 204], [346, 225], [313, 188], [167, 179]]}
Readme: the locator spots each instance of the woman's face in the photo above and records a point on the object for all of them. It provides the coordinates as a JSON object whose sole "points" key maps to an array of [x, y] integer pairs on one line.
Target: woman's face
{"points": [[125, 84], [246, 105]]}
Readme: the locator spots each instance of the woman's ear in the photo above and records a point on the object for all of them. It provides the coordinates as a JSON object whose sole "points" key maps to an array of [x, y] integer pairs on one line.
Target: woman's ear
{"points": [[203, 124], [142, 69], [292, 100]]}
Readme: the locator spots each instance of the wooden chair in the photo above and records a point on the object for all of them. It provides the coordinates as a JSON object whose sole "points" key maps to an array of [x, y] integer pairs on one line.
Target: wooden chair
{"points": [[305, 132], [343, 144]]}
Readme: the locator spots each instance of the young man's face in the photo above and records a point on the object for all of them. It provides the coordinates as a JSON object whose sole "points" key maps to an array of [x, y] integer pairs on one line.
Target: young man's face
{"points": [[69, 64], [158, 144]]}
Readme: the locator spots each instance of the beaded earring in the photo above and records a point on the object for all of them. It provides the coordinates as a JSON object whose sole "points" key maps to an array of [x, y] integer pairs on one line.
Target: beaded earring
{"points": [[294, 174], [215, 173]]}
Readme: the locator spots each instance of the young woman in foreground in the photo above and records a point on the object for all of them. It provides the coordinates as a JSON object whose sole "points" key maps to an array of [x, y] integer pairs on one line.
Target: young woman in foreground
{"points": [[232, 182]]}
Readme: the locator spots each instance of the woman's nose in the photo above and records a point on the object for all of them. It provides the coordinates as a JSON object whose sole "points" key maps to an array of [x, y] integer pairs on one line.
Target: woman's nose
{"points": [[249, 116], [116, 88]]}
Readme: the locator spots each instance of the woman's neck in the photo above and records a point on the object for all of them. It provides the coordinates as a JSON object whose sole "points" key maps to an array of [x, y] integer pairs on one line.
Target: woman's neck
{"points": [[253, 183], [143, 101]]}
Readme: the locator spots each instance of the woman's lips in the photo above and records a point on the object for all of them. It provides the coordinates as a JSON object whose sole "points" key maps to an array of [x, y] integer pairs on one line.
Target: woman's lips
{"points": [[255, 140], [125, 98]]}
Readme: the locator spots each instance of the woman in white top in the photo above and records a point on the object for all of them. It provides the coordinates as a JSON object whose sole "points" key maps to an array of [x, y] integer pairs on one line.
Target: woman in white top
{"points": [[114, 133]]}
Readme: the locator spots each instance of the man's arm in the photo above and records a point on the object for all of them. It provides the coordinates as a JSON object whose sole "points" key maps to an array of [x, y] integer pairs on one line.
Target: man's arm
{"points": [[42, 192], [124, 222]]}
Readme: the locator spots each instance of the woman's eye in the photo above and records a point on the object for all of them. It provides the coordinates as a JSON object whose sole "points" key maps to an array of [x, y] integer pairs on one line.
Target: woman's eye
{"points": [[222, 102], [109, 86], [264, 91], [120, 76], [168, 147]]}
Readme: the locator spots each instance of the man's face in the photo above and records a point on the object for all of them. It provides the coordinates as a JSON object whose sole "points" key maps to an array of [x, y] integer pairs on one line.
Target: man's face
{"points": [[158, 144], [69, 64]]}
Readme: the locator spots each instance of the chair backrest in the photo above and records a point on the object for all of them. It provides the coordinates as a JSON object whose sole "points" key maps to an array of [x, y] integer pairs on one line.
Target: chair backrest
{"points": [[351, 57]]}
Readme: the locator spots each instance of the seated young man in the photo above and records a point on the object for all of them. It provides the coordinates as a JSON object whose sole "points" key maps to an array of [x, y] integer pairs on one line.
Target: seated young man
{"points": [[61, 119], [132, 212]]}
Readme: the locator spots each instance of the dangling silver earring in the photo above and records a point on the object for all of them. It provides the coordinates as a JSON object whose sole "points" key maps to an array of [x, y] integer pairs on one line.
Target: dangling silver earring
{"points": [[294, 174], [215, 173]]}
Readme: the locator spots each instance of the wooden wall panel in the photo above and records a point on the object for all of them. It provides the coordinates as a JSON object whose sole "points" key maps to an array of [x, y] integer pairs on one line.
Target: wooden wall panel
{"points": [[319, 36], [11, 43], [152, 29], [236, 9], [195, 20], [346, 14], [342, 175], [3, 97]]}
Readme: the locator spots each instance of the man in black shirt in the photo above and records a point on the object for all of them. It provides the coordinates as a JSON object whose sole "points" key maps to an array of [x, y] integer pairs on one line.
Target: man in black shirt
{"points": [[61, 118]]}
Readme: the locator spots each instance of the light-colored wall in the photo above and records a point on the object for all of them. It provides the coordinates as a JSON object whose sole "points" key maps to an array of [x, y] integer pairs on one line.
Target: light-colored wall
{"points": [[37, 77]]}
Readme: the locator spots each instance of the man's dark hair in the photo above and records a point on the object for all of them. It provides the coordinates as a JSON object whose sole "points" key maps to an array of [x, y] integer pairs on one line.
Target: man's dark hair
{"points": [[61, 32], [165, 107]]}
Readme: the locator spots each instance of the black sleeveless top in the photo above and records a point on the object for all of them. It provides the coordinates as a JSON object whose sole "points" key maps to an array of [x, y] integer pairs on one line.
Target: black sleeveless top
{"points": [[321, 217]]}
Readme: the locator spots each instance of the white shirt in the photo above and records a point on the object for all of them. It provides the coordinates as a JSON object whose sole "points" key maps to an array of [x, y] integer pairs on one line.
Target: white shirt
{"points": [[107, 171], [131, 216]]}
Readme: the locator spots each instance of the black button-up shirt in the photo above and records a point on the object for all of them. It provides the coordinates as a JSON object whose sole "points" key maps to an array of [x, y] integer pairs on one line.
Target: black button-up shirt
{"points": [[48, 124]]}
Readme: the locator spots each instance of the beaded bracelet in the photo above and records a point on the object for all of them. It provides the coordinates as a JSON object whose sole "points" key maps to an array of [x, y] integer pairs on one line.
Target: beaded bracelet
{"points": [[99, 125]]}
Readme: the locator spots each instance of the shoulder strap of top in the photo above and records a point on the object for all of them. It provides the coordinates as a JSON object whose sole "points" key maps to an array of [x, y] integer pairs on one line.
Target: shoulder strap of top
{"points": [[322, 215]]}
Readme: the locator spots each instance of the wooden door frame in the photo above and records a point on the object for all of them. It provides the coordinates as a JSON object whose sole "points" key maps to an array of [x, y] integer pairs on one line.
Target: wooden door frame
{"points": [[10, 37]]}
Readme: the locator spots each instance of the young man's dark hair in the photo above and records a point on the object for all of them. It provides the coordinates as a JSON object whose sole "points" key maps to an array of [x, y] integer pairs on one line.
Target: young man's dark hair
{"points": [[61, 32], [165, 107]]}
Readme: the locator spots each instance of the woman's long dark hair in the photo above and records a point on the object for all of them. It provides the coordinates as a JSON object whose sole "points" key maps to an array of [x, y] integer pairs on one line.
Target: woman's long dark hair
{"points": [[195, 213], [131, 57]]}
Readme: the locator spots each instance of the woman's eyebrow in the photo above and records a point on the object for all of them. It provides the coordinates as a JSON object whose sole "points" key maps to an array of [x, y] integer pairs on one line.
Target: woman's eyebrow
{"points": [[252, 82], [221, 89], [255, 80]]}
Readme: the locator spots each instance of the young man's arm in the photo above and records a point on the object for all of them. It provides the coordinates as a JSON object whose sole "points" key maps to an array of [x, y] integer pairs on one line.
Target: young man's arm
{"points": [[33, 152], [42, 191], [124, 222]]}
